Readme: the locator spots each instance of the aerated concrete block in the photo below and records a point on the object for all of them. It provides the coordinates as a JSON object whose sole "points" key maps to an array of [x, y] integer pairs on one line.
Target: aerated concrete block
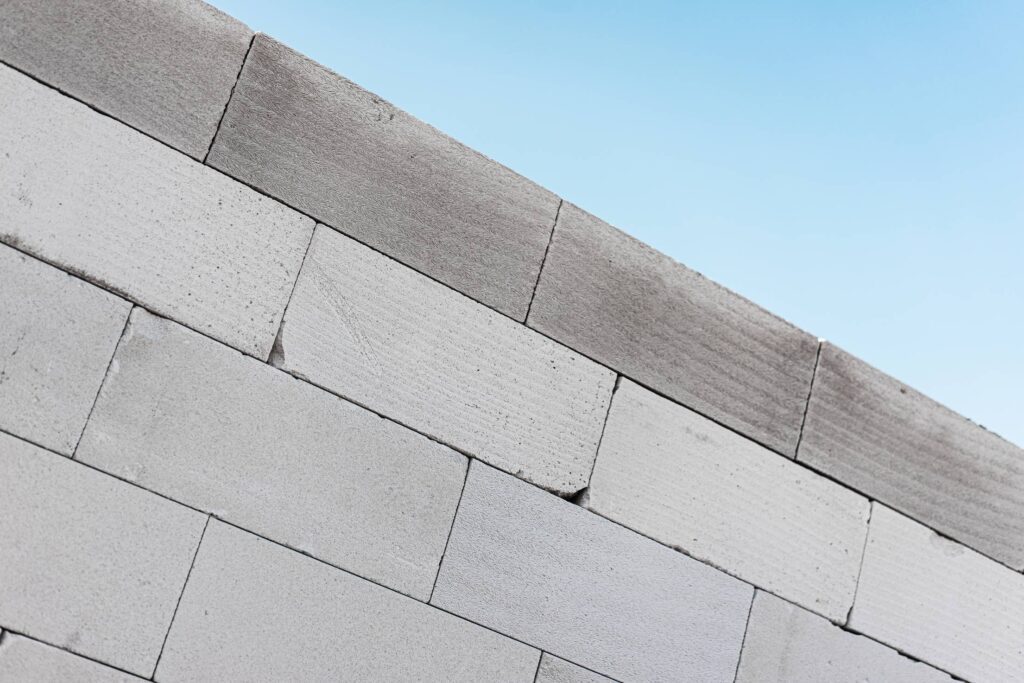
{"points": [[377, 332], [903, 449], [555, 670], [637, 311], [322, 144], [93, 197], [57, 334], [557, 577], [165, 67], [90, 563], [254, 610], [27, 660], [183, 415], [691, 484]]}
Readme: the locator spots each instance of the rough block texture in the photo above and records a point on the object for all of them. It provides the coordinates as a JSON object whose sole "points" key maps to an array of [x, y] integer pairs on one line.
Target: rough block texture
{"points": [[57, 334], [164, 67], [253, 610], [553, 575], [94, 197], [26, 660], [201, 423], [907, 451], [625, 305], [90, 563], [372, 330], [327, 147], [555, 670], [939, 601], [785, 644], [683, 480]]}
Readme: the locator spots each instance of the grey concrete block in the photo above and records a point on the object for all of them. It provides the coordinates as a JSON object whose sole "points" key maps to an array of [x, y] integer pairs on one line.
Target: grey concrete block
{"points": [[57, 334], [90, 563], [165, 67], [691, 484], [82, 191], [939, 601], [381, 334], [26, 660], [253, 610], [200, 423], [899, 447], [623, 304], [553, 575], [329, 148], [555, 670], [785, 644]]}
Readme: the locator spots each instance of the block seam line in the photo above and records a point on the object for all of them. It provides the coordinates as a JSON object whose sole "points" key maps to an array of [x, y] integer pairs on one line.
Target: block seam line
{"points": [[184, 586], [543, 262], [451, 529], [860, 567], [579, 497], [231, 94], [807, 403], [536, 672], [277, 348], [743, 641], [8, 632]]}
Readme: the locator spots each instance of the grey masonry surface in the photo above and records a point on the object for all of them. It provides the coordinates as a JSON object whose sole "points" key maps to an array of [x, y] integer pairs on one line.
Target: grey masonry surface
{"points": [[685, 481], [57, 334], [90, 564], [555, 670], [165, 68], [26, 660], [385, 336], [182, 415], [345, 156], [94, 197], [637, 311], [253, 610], [552, 575], [907, 451]]}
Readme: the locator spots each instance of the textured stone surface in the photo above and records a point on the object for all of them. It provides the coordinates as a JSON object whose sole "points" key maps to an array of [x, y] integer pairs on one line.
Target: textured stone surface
{"points": [[553, 575], [165, 67], [201, 423], [57, 334], [94, 197], [870, 431], [555, 670], [253, 610], [939, 601], [785, 644], [623, 304], [681, 479], [374, 331], [90, 563], [26, 660], [329, 148]]}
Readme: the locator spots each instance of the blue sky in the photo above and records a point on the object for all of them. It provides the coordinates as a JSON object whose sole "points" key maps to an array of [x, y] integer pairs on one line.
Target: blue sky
{"points": [[855, 167]]}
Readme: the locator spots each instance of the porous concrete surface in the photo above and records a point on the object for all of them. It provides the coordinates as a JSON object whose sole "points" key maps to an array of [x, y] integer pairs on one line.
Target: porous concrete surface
{"points": [[387, 337], [90, 564], [936, 600], [192, 419], [93, 197], [554, 576], [25, 660], [637, 311], [345, 156], [256, 611], [689, 483], [57, 334], [881, 437], [555, 670], [786, 644], [164, 67]]}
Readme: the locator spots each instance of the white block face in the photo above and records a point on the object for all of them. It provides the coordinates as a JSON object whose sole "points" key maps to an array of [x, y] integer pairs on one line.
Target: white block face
{"points": [[23, 659], [689, 483], [90, 563], [254, 610], [57, 335], [374, 331], [939, 601], [93, 197], [550, 574], [196, 421]]}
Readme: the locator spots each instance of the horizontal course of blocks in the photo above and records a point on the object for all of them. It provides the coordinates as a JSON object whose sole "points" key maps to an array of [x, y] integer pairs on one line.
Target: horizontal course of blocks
{"points": [[294, 386]]}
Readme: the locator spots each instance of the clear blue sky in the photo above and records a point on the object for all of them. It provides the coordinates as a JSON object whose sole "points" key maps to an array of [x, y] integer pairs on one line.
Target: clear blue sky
{"points": [[855, 167]]}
